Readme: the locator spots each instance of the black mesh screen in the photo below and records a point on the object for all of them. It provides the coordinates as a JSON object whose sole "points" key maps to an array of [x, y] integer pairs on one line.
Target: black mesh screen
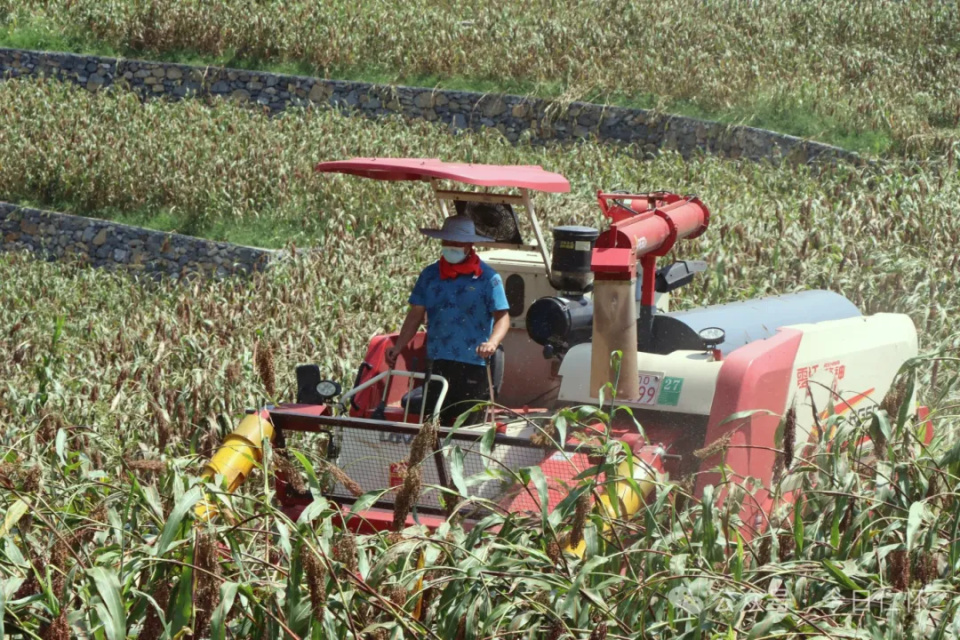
{"points": [[497, 221]]}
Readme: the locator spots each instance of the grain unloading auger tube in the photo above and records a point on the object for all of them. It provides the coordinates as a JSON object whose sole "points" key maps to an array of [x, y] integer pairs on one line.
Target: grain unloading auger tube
{"points": [[643, 227]]}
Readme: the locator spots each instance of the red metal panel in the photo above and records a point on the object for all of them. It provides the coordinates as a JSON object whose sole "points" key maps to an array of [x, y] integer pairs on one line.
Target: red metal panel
{"points": [[755, 377], [412, 358], [375, 520], [485, 175], [613, 261], [370, 521]]}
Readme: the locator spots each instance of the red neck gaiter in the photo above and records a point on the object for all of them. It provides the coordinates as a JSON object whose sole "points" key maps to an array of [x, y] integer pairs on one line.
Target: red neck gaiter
{"points": [[469, 266]]}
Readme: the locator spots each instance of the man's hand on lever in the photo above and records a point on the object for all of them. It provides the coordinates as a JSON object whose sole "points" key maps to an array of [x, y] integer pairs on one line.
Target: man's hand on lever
{"points": [[487, 349], [501, 323], [411, 324], [391, 356]]}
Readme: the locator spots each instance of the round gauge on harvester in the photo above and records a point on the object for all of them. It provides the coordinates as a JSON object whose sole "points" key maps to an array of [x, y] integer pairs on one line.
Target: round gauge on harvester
{"points": [[712, 337], [328, 389]]}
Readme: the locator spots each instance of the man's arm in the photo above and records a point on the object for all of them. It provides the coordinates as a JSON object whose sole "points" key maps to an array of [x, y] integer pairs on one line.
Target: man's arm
{"points": [[411, 324], [501, 324]]}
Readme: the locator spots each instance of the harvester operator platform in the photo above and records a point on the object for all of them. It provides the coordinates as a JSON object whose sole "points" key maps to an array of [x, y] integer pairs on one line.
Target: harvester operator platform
{"points": [[463, 299]]}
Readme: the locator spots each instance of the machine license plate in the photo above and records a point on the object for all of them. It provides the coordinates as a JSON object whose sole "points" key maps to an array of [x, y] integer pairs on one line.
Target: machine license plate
{"points": [[649, 386]]}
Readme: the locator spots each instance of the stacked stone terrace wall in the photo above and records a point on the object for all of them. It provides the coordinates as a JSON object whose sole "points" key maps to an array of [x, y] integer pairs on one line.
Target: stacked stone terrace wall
{"points": [[103, 243], [515, 116]]}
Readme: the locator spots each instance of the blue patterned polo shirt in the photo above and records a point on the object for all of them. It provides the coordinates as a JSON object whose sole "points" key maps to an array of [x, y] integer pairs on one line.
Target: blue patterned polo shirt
{"points": [[459, 311]]}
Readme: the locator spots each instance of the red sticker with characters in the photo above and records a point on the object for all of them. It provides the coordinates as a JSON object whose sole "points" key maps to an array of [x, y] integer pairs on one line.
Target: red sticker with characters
{"points": [[398, 470], [649, 386]]}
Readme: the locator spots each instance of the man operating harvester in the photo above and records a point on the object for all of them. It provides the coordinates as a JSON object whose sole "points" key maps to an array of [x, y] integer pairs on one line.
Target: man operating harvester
{"points": [[464, 302]]}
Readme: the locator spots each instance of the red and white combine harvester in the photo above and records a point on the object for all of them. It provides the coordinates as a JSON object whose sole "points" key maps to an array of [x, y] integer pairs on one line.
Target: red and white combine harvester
{"points": [[724, 373]]}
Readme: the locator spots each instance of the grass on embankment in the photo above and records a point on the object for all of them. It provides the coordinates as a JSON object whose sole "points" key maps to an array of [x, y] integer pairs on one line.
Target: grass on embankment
{"points": [[884, 236], [265, 231], [764, 112], [875, 77]]}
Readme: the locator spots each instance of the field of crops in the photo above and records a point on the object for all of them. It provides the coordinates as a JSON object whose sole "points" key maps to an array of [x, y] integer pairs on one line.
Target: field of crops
{"points": [[864, 75], [113, 391]]}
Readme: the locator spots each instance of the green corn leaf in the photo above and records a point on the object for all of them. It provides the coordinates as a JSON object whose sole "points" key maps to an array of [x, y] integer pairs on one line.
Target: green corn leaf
{"points": [[3, 606], [946, 619], [456, 470], [60, 445], [114, 614], [906, 406], [569, 605], [835, 528], [486, 445], [798, 525], [284, 533], [315, 489], [535, 475], [560, 422], [365, 501], [766, 624], [13, 515], [740, 415], [179, 512], [738, 564], [182, 608], [915, 519], [218, 621], [841, 577]]}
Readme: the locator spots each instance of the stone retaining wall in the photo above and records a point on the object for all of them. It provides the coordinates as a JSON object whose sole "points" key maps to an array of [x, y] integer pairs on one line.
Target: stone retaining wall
{"points": [[104, 243], [514, 116]]}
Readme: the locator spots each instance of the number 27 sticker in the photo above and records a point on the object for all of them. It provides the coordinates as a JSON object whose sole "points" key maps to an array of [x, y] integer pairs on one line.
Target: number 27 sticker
{"points": [[649, 386]]}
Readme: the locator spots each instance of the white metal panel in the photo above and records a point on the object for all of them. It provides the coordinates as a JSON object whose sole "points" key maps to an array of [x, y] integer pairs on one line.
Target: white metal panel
{"points": [[696, 369], [851, 362]]}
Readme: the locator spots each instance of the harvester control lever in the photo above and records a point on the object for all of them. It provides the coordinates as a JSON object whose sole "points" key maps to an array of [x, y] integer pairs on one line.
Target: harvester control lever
{"points": [[380, 411]]}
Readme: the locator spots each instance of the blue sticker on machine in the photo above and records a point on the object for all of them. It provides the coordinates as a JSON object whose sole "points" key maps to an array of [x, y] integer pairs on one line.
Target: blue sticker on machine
{"points": [[670, 391]]}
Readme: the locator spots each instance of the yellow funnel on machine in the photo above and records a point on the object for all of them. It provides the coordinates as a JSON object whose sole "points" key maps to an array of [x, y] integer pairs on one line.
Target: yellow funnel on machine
{"points": [[236, 457]]}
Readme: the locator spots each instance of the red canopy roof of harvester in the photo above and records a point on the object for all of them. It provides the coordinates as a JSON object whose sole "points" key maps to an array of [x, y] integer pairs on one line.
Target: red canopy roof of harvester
{"points": [[484, 175]]}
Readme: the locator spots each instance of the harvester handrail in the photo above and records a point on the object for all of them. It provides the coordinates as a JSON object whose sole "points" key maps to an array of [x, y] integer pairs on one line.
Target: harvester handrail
{"points": [[416, 375]]}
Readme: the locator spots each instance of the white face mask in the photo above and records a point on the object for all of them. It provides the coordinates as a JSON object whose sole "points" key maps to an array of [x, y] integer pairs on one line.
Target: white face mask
{"points": [[454, 255]]}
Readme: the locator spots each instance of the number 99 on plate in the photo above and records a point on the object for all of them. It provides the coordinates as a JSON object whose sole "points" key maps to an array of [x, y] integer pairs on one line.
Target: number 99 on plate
{"points": [[649, 386]]}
